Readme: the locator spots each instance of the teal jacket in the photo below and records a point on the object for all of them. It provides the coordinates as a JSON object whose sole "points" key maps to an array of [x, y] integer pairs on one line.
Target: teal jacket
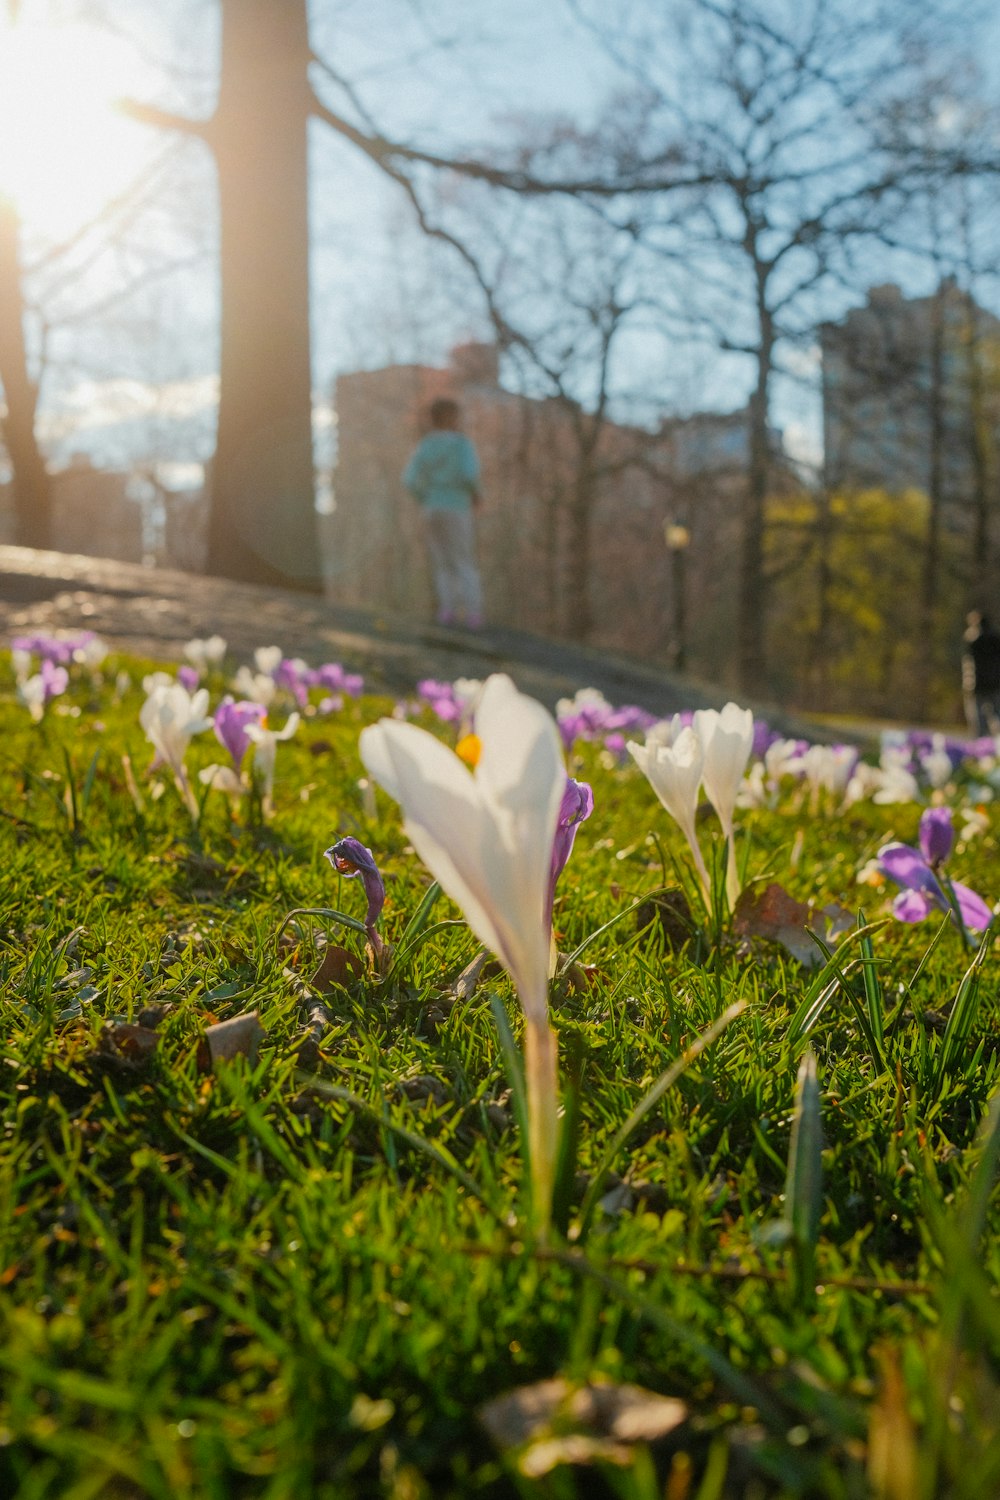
{"points": [[443, 471]]}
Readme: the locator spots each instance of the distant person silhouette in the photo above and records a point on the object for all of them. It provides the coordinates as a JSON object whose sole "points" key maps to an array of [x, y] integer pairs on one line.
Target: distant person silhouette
{"points": [[443, 475], [981, 674]]}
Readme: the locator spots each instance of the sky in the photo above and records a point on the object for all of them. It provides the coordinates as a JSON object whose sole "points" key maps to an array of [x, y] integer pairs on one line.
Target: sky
{"points": [[131, 380]]}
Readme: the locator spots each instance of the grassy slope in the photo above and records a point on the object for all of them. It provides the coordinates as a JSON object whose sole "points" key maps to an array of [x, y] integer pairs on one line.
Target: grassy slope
{"points": [[241, 1284]]}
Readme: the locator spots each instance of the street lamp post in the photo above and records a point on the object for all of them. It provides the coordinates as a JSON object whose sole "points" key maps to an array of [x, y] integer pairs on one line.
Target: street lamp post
{"points": [[678, 539]]}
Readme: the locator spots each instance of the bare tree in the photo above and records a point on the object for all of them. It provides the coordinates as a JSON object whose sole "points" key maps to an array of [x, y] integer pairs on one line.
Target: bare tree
{"points": [[32, 493], [776, 112], [262, 512]]}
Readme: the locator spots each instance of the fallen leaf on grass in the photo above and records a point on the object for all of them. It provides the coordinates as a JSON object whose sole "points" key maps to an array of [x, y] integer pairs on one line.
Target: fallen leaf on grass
{"points": [[673, 913], [554, 1422], [239, 1037], [423, 1087], [338, 968], [123, 1046], [778, 917], [578, 977], [483, 966]]}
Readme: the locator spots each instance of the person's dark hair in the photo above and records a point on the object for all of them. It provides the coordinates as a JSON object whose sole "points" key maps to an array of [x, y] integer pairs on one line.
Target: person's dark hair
{"points": [[444, 412]]}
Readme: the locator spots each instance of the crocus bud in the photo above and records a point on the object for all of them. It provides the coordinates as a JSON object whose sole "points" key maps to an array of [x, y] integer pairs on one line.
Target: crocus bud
{"points": [[349, 857], [936, 835]]}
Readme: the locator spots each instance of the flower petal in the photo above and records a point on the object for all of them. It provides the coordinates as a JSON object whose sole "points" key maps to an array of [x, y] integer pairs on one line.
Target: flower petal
{"points": [[441, 814], [727, 742], [907, 867], [912, 906], [976, 915]]}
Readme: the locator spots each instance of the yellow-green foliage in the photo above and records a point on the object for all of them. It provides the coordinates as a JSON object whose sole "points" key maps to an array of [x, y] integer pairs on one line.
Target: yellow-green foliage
{"points": [[846, 613]]}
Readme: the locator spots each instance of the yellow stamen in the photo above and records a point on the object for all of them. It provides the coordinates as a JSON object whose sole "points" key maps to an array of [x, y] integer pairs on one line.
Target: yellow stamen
{"points": [[469, 749]]}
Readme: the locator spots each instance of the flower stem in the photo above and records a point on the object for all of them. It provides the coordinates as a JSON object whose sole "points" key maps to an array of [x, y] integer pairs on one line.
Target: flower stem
{"points": [[541, 1081]]}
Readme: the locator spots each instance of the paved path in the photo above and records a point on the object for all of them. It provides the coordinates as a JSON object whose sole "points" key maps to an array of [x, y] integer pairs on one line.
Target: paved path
{"points": [[152, 612]]}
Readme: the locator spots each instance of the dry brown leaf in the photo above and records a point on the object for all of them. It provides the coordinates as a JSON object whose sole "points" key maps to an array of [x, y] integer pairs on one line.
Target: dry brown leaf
{"points": [[338, 968], [554, 1422], [778, 917], [125, 1047], [483, 966], [239, 1037], [673, 913]]}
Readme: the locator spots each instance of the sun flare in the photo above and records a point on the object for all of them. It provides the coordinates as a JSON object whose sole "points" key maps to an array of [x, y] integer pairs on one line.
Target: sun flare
{"points": [[66, 148]]}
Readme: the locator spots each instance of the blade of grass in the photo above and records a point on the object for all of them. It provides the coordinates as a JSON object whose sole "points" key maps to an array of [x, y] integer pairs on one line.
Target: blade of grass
{"points": [[897, 1010], [821, 991], [514, 1068], [403, 954], [569, 959], [322, 911], [873, 989], [963, 1013], [649, 1100], [569, 1136], [851, 996], [957, 1235], [804, 1182], [438, 1154]]}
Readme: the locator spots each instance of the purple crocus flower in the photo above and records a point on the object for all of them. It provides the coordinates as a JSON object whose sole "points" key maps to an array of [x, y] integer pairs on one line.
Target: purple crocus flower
{"points": [[349, 857], [917, 871], [188, 677], [440, 697], [333, 676], [48, 647], [571, 729], [55, 679], [231, 720], [292, 675], [577, 805]]}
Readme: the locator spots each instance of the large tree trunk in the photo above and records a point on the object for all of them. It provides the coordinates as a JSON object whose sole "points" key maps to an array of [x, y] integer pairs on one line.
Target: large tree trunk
{"points": [[32, 490], [751, 604], [263, 521]]}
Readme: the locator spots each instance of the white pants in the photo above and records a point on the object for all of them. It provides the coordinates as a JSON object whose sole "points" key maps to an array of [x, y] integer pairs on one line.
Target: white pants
{"points": [[450, 538]]}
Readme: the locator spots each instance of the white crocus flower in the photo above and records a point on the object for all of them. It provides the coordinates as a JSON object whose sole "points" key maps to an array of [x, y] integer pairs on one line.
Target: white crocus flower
{"points": [[675, 772], [585, 699], [206, 653], [664, 732], [31, 693], [21, 662], [936, 763], [486, 835], [754, 790], [170, 717], [783, 758], [223, 779], [897, 785], [257, 687], [265, 750], [727, 740], [829, 767], [267, 659], [865, 781]]}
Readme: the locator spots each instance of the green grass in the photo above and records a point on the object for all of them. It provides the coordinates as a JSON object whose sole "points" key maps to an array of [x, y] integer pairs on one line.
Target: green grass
{"points": [[283, 1280]]}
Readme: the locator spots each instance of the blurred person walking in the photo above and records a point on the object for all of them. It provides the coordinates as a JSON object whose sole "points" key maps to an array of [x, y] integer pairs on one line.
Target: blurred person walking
{"points": [[981, 674], [443, 476]]}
